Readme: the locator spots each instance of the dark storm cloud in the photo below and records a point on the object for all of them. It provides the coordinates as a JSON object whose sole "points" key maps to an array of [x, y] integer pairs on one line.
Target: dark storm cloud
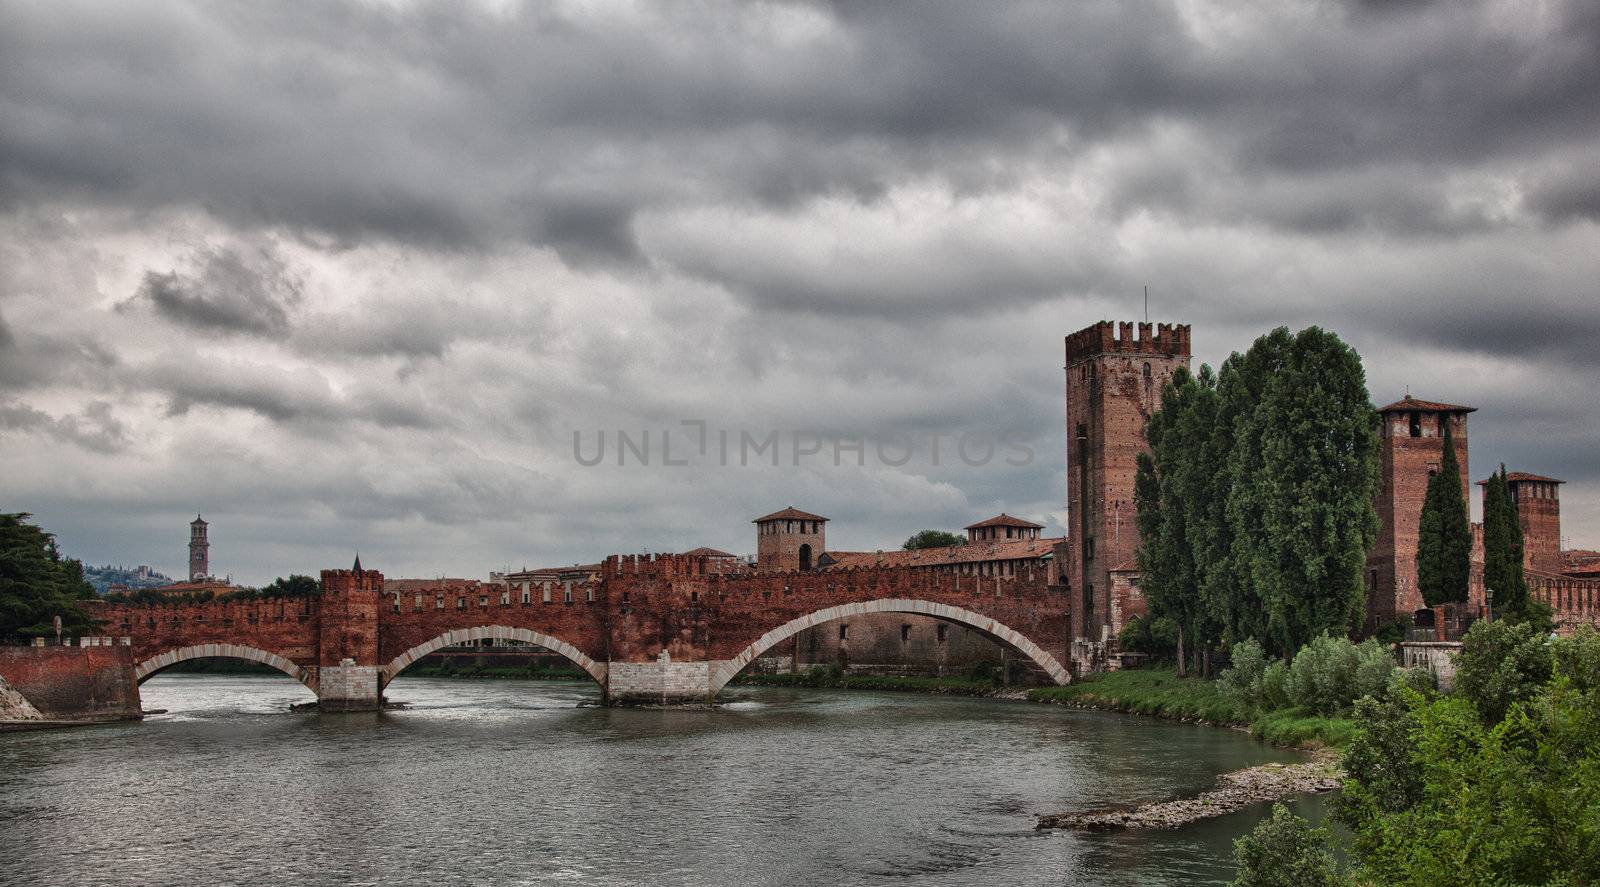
{"points": [[230, 291], [448, 125]]}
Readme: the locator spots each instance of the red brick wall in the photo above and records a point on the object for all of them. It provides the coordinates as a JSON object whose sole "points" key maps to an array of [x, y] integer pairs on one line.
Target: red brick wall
{"points": [[285, 626], [72, 683]]}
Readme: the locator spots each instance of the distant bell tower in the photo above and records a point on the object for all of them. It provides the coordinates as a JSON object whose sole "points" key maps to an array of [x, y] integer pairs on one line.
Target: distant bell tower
{"points": [[789, 540], [199, 551], [1114, 382]]}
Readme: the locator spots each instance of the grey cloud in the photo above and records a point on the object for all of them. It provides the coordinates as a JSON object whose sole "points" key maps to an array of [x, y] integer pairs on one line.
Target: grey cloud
{"points": [[454, 125], [230, 290], [95, 428]]}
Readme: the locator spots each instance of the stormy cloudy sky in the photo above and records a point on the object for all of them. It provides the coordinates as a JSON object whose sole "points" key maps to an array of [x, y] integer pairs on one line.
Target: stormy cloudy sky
{"points": [[350, 275]]}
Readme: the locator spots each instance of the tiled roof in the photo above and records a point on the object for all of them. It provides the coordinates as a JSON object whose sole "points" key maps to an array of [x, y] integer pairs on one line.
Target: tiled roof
{"points": [[790, 513], [972, 552], [1005, 520], [703, 551], [405, 585], [1514, 476], [1429, 406]]}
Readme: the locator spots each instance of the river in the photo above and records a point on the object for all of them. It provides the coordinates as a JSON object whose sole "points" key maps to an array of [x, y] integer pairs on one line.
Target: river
{"points": [[524, 782]]}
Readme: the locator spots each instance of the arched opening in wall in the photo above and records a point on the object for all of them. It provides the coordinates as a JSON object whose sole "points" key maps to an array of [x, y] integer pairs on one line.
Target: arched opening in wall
{"points": [[488, 662], [893, 637], [805, 557], [222, 678]]}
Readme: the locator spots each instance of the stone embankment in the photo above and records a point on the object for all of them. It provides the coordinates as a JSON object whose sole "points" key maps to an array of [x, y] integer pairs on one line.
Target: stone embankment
{"points": [[1235, 791]]}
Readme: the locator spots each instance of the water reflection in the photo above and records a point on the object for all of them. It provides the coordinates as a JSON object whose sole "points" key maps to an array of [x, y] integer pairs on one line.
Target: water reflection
{"points": [[529, 783]]}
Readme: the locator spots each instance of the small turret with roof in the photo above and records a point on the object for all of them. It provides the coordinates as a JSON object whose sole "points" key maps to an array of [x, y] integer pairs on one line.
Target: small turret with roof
{"points": [[789, 540]]}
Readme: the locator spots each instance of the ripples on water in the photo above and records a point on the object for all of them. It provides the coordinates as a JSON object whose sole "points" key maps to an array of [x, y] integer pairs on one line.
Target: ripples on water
{"points": [[521, 782]]}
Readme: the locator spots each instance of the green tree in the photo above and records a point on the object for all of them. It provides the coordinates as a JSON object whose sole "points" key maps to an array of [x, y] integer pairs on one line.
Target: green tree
{"points": [[37, 584], [1285, 851], [1170, 499], [1501, 664], [1303, 472], [1444, 535], [933, 539], [1502, 550]]}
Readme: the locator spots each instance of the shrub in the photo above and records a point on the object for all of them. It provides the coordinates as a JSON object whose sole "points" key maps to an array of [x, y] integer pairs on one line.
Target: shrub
{"points": [[1275, 687], [1330, 673], [1242, 681], [1285, 851], [1501, 664]]}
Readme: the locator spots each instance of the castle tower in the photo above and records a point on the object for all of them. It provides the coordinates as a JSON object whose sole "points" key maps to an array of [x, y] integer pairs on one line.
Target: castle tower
{"points": [[789, 540], [1411, 447], [347, 639], [1538, 502], [199, 551], [1003, 528], [1114, 382]]}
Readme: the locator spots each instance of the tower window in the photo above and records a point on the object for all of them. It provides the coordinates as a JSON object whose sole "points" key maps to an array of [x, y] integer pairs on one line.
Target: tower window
{"points": [[905, 632], [805, 556], [844, 631], [941, 632], [1147, 372], [1416, 424]]}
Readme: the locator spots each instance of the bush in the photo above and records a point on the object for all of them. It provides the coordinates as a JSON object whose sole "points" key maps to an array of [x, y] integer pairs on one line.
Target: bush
{"points": [[1242, 681], [1285, 851], [1577, 658], [1501, 664], [1154, 636], [1275, 687], [1330, 673]]}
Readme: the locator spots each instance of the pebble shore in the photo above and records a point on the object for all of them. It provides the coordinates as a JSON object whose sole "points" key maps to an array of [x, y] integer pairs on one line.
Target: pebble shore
{"points": [[1234, 791]]}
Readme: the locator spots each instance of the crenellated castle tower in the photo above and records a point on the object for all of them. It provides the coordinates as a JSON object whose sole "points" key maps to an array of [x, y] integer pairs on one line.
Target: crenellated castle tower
{"points": [[1114, 382]]}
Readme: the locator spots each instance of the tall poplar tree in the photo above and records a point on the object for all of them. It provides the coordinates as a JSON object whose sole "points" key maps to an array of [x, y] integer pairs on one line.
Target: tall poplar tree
{"points": [[1444, 534], [1309, 485], [1502, 549]]}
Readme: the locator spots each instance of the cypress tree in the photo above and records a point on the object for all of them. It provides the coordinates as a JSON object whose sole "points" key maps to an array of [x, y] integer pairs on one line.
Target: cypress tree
{"points": [[1444, 535], [1502, 549]]}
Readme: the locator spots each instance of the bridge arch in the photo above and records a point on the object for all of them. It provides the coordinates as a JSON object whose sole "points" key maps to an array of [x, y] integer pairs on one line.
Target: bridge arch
{"points": [[596, 670], [148, 668], [725, 671]]}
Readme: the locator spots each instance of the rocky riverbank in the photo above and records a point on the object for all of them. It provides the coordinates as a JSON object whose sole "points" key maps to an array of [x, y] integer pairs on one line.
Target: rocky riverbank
{"points": [[1234, 791]]}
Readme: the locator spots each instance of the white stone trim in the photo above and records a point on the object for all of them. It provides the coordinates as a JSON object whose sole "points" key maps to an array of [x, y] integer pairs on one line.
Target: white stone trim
{"points": [[154, 664], [727, 669], [595, 669]]}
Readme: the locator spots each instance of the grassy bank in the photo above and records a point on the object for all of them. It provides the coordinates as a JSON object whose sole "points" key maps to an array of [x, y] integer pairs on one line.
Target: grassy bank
{"points": [[1159, 692], [950, 686]]}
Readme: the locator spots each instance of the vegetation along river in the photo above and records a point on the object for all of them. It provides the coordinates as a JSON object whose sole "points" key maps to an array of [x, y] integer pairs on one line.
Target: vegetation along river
{"points": [[526, 782]]}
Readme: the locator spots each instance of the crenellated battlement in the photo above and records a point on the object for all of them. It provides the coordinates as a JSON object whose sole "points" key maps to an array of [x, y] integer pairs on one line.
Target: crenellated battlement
{"points": [[668, 566], [1171, 339], [336, 581]]}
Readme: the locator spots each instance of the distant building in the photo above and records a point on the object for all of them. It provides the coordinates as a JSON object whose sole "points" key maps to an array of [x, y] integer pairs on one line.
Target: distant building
{"points": [[199, 551]]}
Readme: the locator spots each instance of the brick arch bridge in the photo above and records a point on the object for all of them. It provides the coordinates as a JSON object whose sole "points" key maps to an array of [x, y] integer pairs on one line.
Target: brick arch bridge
{"points": [[650, 630]]}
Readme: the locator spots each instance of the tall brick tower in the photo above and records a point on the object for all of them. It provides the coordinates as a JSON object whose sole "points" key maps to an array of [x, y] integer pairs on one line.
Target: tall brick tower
{"points": [[1114, 382], [199, 550], [1539, 511], [1411, 447], [789, 540], [347, 638]]}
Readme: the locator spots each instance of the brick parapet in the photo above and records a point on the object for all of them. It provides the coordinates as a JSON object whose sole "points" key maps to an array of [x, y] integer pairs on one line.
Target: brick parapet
{"points": [[1169, 339]]}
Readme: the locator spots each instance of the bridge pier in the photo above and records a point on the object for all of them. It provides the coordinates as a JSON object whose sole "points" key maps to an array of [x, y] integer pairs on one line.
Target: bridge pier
{"points": [[662, 682], [348, 687]]}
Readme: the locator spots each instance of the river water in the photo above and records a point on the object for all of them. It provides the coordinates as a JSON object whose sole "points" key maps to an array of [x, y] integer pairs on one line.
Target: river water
{"points": [[524, 782]]}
